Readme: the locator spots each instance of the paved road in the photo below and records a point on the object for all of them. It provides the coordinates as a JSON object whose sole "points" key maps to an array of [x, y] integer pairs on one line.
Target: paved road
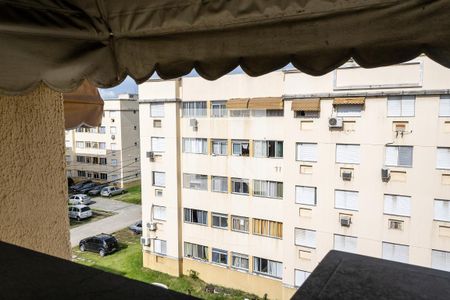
{"points": [[126, 214]]}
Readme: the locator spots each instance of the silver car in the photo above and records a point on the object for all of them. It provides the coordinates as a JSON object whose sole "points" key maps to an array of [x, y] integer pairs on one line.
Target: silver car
{"points": [[79, 212], [110, 191], [79, 199]]}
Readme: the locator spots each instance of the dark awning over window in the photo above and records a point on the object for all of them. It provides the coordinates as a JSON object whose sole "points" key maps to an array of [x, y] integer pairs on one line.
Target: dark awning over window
{"points": [[64, 42]]}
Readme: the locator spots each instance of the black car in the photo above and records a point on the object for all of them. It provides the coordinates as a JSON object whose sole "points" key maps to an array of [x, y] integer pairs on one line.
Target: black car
{"points": [[96, 190], [102, 244], [87, 187], [79, 185]]}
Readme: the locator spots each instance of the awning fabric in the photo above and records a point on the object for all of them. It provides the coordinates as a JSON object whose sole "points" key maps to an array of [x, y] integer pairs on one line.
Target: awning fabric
{"points": [[238, 103], [84, 106], [311, 104], [349, 101], [63, 42], [266, 103]]}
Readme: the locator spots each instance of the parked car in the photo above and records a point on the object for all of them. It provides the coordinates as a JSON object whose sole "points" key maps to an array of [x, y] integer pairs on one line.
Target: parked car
{"points": [[79, 199], [87, 187], [110, 191], [79, 212], [136, 228], [102, 244], [96, 190], [79, 185]]}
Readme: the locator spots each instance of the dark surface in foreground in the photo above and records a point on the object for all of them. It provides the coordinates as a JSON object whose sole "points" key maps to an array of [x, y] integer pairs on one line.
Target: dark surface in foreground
{"points": [[25, 274], [347, 276]]}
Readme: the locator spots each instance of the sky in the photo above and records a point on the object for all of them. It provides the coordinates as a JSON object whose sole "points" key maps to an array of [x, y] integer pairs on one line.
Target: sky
{"points": [[129, 86]]}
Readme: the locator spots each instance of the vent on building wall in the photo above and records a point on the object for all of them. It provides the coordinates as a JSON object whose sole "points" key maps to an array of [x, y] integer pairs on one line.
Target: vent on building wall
{"points": [[385, 174], [345, 220], [113, 137], [151, 226], [145, 241], [335, 122]]}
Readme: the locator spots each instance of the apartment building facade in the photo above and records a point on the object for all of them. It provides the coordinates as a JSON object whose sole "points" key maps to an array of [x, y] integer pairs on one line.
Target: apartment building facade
{"points": [[110, 152], [251, 181]]}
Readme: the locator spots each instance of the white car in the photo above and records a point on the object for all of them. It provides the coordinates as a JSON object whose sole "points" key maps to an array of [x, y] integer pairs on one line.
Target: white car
{"points": [[110, 191], [80, 212], [79, 199]]}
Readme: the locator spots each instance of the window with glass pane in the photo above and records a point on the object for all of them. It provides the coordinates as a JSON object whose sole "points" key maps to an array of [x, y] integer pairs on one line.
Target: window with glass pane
{"points": [[443, 158], [103, 161], [195, 145], [300, 277], [346, 199], [268, 228], [219, 256], [157, 110], [307, 152], [305, 237], [113, 130], [219, 184], [195, 181], [347, 154], [305, 195], [268, 149], [113, 162], [102, 145], [195, 251], [219, 220], [442, 210], [397, 205], [239, 223], [395, 252], [306, 114], [239, 113], [102, 129], [240, 148], [80, 144], [194, 109], [401, 106], [219, 147], [444, 106], [195, 216], [160, 246], [239, 261], [345, 243], [440, 260], [348, 110], [268, 267], [159, 178], [159, 212], [218, 109], [239, 186], [266, 188], [399, 156], [158, 144]]}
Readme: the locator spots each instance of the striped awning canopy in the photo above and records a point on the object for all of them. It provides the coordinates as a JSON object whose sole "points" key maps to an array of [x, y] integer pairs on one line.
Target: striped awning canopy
{"points": [[266, 103], [238, 103], [349, 101], [311, 104]]}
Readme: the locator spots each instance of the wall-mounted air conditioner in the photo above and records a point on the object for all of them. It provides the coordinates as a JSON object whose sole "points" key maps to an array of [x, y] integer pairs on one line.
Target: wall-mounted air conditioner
{"points": [[345, 220], [396, 224], [145, 241], [151, 226], [113, 137], [151, 155], [194, 124], [385, 174], [335, 122], [346, 176]]}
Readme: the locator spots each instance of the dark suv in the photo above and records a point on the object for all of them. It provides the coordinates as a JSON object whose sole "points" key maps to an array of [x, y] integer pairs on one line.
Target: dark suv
{"points": [[102, 244]]}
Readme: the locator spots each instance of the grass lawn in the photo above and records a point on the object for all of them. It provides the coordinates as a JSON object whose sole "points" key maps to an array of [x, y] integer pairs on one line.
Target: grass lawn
{"points": [[96, 215], [128, 262], [133, 195]]}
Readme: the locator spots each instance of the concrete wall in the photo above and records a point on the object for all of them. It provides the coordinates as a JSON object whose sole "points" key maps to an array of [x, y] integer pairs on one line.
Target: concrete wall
{"points": [[33, 193]]}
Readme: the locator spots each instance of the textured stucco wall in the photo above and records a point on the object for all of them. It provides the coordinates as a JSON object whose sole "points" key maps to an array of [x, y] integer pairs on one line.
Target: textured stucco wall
{"points": [[33, 188]]}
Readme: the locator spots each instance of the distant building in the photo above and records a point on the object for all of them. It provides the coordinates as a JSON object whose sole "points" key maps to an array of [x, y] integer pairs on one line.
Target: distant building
{"points": [[109, 153], [251, 181]]}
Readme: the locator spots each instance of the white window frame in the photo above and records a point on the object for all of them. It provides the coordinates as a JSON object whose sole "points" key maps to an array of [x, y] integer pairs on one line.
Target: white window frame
{"points": [[113, 130], [219, 109], [194, 109], [159, 212], [349, 110], [306, 152], [443, 158], [219, 254], [195, 181], [262, 148], [218, 181], [305, 237], [159, 182], [444, 106], [158, 144], [238, 261], [201, 216], [345, 243], [403, 106], [300, 277], [393, 156], [241, 182], [274, 268], [440, 260], [195, 250], [157, 110], [220, 217], [395, 252], [306, 195], [241, 150], [219, 145], [243, 222], [349, 154], [397, 205], [195, 145], [160, 247], [267, 189], [441, 209], [349, 203]]}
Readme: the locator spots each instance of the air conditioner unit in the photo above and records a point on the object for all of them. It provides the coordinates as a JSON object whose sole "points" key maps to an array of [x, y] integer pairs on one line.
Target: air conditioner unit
{"points": [[396, 224], [347, 176], [113, 137], [112, 120], [335, 122], [151, 226], [385, 174], [194, 124], [145, 241], [151, 155], [345, 221]]}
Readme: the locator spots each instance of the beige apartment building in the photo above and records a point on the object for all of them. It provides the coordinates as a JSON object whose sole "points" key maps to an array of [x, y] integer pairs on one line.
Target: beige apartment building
{"points": [[252, 181], [110, 152]]}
